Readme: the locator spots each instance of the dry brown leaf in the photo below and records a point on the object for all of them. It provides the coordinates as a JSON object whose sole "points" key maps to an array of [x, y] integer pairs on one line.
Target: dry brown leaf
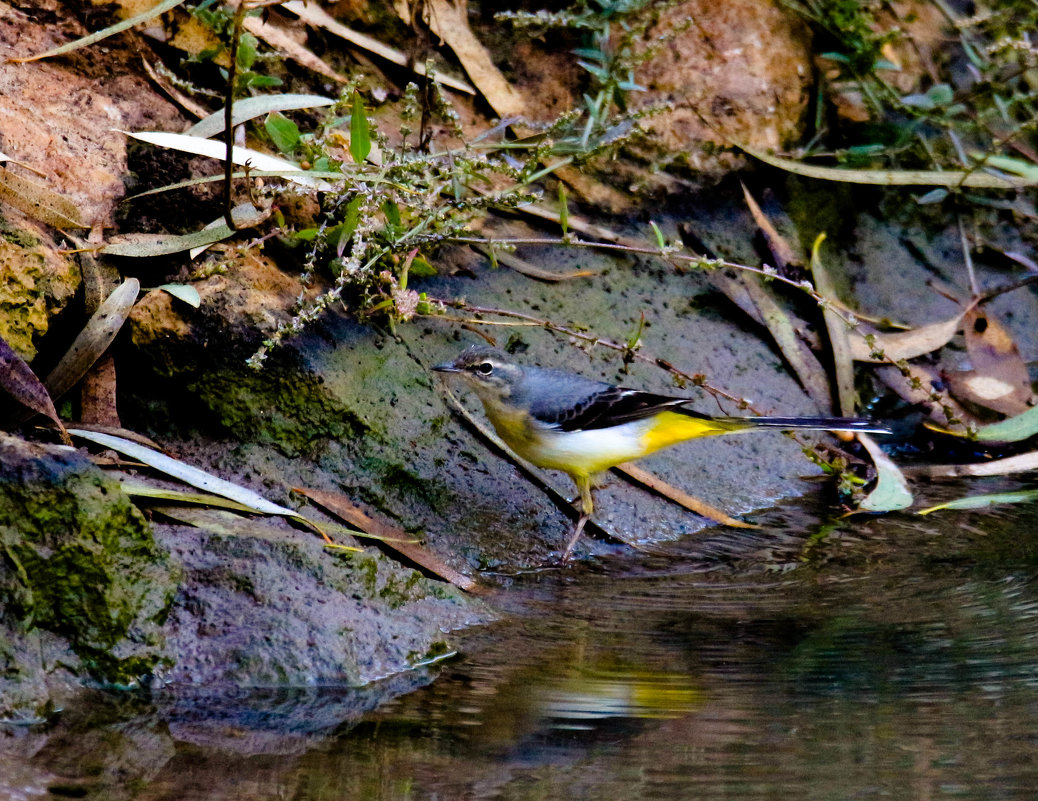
{"points": [[450, 22], [21, 383], [678, 496], [998, 379], [927, 380], [39, 201], [312, 14], [282, 41], [783, 327], [777, 244], [903, 344], [1021, 463], [389, 534], [173, 93]]}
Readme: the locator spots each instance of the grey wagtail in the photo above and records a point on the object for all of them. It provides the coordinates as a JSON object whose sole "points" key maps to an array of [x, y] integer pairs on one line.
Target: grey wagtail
{"points": [[582, 427]]}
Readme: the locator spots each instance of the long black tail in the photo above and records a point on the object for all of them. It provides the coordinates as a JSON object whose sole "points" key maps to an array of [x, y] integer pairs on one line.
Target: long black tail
{"points": [[855, 424]]}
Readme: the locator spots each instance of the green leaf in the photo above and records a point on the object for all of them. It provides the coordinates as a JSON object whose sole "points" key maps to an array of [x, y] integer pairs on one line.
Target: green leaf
{"points": [[421, 268], [247, 51], [941, 94], [933, 196], [661, 241], [360, 133], [950, 178], [283, 132], [983, 501], [1013, 429], [392, 211], [183, 292], [563, 210], [251, 107], [340, 234], [891, 491], [263, 81]]}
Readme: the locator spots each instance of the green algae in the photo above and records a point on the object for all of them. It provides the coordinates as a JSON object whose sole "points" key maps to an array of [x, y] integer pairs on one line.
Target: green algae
{"points": [[79, 561]]}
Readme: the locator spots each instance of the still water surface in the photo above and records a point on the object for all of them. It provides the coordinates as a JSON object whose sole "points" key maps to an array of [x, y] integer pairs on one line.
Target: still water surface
{"points": [[889, 658]]}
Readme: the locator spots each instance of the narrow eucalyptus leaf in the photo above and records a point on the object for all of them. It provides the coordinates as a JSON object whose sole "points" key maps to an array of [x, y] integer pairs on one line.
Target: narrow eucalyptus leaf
{"points": [[94, 339]]}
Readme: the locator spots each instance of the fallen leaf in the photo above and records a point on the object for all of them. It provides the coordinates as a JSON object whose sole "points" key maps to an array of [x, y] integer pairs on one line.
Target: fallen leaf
{"points": [[891, 491], [39, 201], [313, 14], [136, 488], [282, 41], [393, 537], [1012, 429], [919, 387], [94, 339], [983, 501], [22, 384], [839, 333], [783, 327], [777, 244], [288, 170], [184, 293], [532, 270], [949, 178], [902, 344], [1021, 463], [185, 472], [999, 379], [449, 21], [248, 108]]}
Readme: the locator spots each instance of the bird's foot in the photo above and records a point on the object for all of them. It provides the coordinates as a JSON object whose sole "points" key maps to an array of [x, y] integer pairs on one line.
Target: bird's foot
{"points": [[577, 531]]}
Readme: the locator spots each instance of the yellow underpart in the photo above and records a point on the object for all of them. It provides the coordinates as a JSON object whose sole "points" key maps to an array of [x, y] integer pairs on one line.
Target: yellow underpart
{"points": [[670, 428]]}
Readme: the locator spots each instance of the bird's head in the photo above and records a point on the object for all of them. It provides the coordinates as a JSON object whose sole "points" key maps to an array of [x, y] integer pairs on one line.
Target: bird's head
{"points": [[491, 372]]}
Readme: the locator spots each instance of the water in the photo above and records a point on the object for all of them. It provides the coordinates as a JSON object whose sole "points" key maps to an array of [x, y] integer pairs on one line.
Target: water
{"points": [[879, 658]]}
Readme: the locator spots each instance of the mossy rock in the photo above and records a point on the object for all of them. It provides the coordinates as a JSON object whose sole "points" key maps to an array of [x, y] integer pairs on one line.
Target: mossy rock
{"points": [[77, 560]]}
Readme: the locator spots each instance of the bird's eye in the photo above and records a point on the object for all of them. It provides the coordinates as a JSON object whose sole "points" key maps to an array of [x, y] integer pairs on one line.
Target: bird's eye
{"points": [[486, 368]]}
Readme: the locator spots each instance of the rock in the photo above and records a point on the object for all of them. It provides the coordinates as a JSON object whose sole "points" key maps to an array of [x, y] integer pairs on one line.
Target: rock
{"points": [[737, 72], [36, 283], [84, 589]]}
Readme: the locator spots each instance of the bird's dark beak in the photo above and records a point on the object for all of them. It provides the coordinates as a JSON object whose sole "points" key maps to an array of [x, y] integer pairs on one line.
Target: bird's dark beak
{"points": [[446, 367]]}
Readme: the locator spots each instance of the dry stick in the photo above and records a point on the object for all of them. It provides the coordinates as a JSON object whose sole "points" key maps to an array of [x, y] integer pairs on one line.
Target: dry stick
{"points": [[678, 496]]}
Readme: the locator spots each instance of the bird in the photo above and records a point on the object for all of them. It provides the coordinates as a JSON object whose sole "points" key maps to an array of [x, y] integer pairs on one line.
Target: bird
{"points": [[563, 421]]}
